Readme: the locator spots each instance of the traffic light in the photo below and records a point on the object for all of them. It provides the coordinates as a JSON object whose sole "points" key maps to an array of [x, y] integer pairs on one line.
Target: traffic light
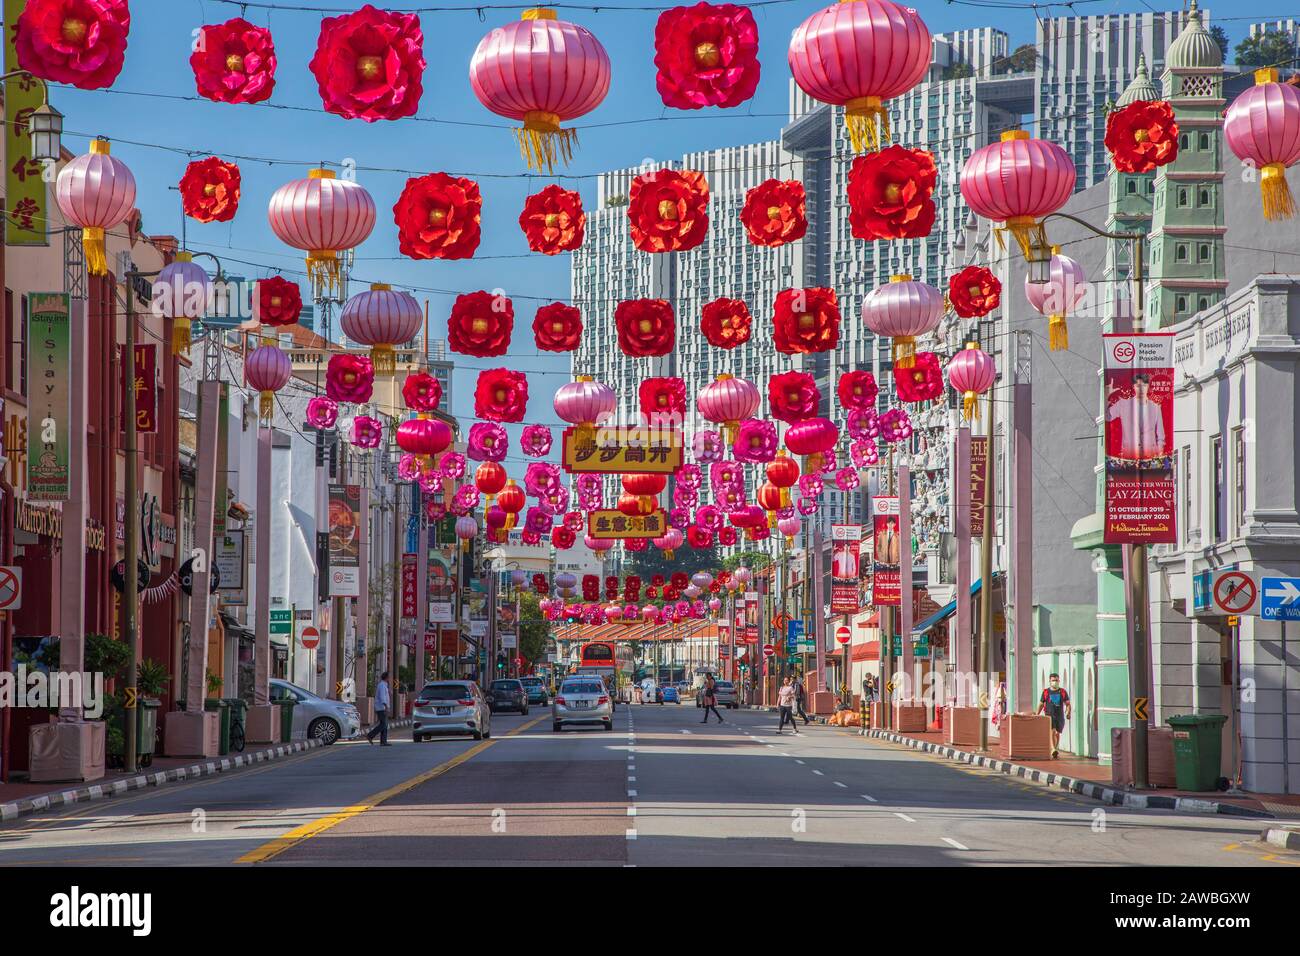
{"points": [[501, 662]]}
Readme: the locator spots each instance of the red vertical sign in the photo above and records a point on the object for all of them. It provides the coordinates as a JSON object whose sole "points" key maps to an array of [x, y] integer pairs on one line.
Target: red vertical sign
{"points": [[146, 395], [885, 549], [410, 604], [979, 449], [1139, 404]]}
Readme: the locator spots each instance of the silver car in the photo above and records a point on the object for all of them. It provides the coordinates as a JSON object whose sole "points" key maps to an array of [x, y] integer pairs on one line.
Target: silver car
{"points": [[582, 700], [451, 707], [315, 717]]}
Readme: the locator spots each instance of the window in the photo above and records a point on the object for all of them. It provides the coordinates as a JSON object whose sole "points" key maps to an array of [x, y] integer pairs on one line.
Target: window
{"points": [[1182, 142], [1216, 462], [1203, 252], [1183, 198], [1202, 303], [1180, 303], [1205, 197], [1239, 478], [1203, 141], [1180, 252]]}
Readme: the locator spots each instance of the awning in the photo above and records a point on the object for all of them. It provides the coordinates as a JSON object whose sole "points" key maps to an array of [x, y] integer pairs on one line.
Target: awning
{"points": [[866, 651], [948, 609]]}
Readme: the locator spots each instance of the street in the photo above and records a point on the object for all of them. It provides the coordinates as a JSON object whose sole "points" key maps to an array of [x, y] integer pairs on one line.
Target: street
{"points": [[659, 790]]}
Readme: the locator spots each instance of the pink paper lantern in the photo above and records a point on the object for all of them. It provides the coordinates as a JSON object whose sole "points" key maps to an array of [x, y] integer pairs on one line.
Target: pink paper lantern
{"points": [[381, 318], [727, 401], [901, 311], [95, 191], [1056, 298], [1017, 181], [585, 404], [267, 369], [1262, 127], [812, 438], [971, 372], [323, 216]]}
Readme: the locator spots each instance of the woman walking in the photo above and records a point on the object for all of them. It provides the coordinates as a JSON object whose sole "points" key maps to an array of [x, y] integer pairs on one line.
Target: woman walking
{"points": [[708, 698], [785, 699]]}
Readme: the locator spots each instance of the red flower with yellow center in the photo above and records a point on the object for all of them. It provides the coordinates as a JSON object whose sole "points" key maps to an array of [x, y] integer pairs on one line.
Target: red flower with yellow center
{"points": [[805, 320], [279, 301], [480, 324], [80, 42], [553, 220], [889, 194], [369, 64], [668, 210], [663, 400], [235, 62], [438, 217], [349, 378], [557, 327], [793, 396], [922, 382], [726, 323], [857, 390], [646, 327], [421, 392], [501, 395], [1142, 136], [706, 55], [974, 292], [210, 190], [774, 212]]}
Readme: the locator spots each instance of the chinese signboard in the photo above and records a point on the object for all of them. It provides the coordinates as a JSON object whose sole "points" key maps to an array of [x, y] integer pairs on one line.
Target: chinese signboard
{"points": [[1139, 385], [885, 568], [146, 394], [229, 562], [979, 450], [26, 202], [611, 523], [410, 602], [623, 449], [49, 410], [345, 541], [449, 642], [846, 544]]}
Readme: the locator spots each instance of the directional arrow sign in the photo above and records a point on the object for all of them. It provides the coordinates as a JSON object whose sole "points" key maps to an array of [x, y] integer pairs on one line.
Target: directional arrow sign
{"points": [[1279, 599]]}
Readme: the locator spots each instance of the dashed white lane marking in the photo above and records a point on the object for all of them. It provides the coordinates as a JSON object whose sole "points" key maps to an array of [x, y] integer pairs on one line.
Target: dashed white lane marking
{"points": [[953, 843], [797, 760], [904, 816], [819, 773], [784, 754], [631, 834], [844, 785], [631, 793], [867, 797], [631, 811], [687, 731], [631, 779]]}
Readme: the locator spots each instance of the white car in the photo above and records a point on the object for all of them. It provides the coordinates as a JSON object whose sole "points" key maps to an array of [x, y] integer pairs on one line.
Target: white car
{"points": [[316, 717], [582, 700]]}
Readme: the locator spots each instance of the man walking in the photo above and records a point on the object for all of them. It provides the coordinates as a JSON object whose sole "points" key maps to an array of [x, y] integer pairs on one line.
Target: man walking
{"points": [[1056, 702], [709, 699], [785, 700], [799, 693], [382, 703]]}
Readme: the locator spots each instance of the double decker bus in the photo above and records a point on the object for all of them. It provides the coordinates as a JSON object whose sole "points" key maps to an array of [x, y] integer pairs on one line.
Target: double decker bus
{"points": [[612, 661]]}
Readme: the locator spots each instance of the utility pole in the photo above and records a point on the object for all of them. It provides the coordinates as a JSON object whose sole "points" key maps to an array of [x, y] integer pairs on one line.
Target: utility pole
{"points": [[986, 580], [131, 534], [887, 625]]}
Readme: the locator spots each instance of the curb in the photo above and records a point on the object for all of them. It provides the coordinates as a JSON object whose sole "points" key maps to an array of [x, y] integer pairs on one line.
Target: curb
{"points": [[1086, 788], [1284, 839], [101, 791]]}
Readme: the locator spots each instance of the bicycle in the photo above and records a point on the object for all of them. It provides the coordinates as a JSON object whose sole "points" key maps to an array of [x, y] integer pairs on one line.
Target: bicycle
{"points": [[237, 739]]}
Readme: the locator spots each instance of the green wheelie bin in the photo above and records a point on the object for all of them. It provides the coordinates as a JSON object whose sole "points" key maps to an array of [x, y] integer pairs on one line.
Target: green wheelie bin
{"points": [[1198, 750], [238, 708], [286, 719]]}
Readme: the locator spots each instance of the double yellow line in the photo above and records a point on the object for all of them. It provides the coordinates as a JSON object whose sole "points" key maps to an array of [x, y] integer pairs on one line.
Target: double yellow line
{"points": [[273, 848]]}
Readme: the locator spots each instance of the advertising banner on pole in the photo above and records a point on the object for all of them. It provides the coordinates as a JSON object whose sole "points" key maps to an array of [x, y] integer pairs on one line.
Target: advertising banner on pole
{"points": [[26, 200], [49, 410], [1139, 401], [345, 547], [410, 601], [979, 450], [846, 545], [146, 392], [886, 576]]}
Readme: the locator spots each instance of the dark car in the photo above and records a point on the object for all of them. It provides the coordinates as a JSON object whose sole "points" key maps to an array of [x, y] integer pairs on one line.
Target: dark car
{"points": [[508, 694], [538, 692]]}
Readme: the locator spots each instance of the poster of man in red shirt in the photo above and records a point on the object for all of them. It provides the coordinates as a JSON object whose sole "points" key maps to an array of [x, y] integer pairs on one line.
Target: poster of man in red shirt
{"points": [[1139, 416]]}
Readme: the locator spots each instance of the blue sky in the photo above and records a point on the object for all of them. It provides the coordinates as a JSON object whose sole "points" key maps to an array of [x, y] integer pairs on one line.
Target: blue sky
{"points": [[157, 62]]}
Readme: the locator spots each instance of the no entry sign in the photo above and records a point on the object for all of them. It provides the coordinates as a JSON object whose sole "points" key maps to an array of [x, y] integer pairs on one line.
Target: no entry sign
{"points": [[1235, 592], [843, 634], [310, 637]]}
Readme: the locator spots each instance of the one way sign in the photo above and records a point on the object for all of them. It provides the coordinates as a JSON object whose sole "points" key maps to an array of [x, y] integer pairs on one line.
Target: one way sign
{"points": [[1279, 599]]}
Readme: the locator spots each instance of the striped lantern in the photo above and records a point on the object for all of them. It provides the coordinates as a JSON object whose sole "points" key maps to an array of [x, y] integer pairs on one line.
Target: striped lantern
{"points": [[857, 54], [267, 369], [971, 372], [381, 318], [1262, 127], [728, 401], [181, 293], [96, 192], [541, 70], [322, 216], [1017, 182], [901, 311], [1065, 288], [585, 404]]}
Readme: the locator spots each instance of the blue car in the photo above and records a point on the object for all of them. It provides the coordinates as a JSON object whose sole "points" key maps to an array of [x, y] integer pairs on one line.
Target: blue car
{"points": [[536, 688], [670, 695]]}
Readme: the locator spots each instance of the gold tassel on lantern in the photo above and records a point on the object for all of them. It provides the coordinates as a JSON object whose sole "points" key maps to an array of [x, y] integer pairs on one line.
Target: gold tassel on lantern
{"points": [[970, 405], [384, 359], [266, 405], [542, 141], [323, 271], [867, 121], [1275, 193], [1058, 335], [1027, 231], [180, 334], [903, 351], [92, 240]]}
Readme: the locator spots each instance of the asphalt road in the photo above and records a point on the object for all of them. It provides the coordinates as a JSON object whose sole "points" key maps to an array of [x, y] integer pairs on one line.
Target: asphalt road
{"points": [[660, 789]]}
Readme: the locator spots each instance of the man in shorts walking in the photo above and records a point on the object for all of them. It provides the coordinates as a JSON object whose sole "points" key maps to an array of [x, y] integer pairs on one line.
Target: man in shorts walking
{"points": [[1056, 703]]}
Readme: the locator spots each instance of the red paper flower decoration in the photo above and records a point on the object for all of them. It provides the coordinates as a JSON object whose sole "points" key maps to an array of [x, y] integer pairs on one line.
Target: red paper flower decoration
{"points": [[889, 194], [234, 62], [663, 400], [438, 217], [858, 390], [563, 538], [279, 301], [557, 327], [480, 324], [349, 378], [646, 327], [774, 212], [706, 55], [210, 190], [922, 382], [369, 64], [553, 220], [421, 392], [726, 323], [501, 395], [1142, 136], [669, 210], [974, 292], [806, 320], [80, 42], [793, 396]]}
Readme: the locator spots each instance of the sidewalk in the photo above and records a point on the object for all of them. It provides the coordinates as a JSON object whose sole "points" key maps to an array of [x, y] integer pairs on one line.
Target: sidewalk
{"points": [[1088, 777], [21, 799]]}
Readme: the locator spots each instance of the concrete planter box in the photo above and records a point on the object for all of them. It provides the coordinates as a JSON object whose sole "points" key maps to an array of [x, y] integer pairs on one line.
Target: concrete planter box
{"points": [[366, 709], [67, 752], [963, 726], [263, 724], [909, 718], [877, 715], [822, 703], [1160, 757], [1027, 737], [187, 734]]}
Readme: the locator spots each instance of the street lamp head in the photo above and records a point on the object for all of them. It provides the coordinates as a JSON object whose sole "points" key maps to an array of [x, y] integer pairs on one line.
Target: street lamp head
{"points": [[46, 126], [1039, 259]]}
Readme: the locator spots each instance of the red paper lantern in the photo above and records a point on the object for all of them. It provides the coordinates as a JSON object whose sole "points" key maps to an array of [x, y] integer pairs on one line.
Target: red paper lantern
{"points": [[646, 327], [773, 213], [369, 64], [425, 437], [646, 486], [210, 190], [553, 220], [668, 210], [812, 439], [489, 479]]}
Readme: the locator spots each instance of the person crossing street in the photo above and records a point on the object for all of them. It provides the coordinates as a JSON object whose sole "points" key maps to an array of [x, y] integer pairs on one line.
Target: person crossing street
{"points": [[382, 703], [709, 698], [785, 700], [799, 695]]}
